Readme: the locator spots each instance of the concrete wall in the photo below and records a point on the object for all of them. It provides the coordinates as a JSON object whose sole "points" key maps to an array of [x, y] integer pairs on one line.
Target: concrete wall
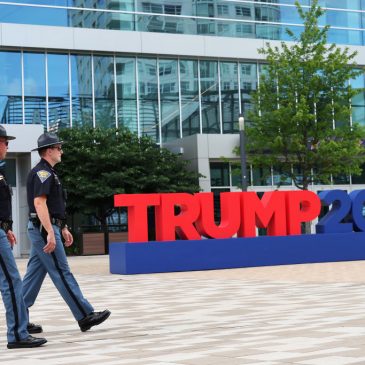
{"points": [[201, 148], [116, 41]]}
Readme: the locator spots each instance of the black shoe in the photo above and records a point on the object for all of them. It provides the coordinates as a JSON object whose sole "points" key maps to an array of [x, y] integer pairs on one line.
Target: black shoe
{"points": [[34, 328], [28, 342], [93, 319]]}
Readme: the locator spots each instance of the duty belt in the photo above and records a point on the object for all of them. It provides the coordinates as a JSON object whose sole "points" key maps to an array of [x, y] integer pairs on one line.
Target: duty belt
{"points": [[56, 221], [6, 225]]}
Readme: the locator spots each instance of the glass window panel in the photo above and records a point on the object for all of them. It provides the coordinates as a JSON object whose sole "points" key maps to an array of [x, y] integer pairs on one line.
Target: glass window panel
{"points": [[317, 180], [358, 101], [344, 19], [359, 179], [35, 88], [219, 174], [160, 23], [236, 174], [261, 176], [104, 20], [11, 111], [342, 36], [81, 86], [279, 178], [165, 16], [179, 7], [41, 2], [229, 96], [126, 92], [341, 179], [271, 31], [165, 24], [217, 202], [119, 20], [148, 98], [297, 171], [302, 2], [189, 97], [341, 4], [248, 80], [169, 96], [58, 92], [209, 96], [284, 14], [33, 15], [104, 91]]}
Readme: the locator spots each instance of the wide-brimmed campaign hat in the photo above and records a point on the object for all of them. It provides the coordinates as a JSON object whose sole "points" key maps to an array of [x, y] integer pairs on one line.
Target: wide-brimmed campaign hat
{"points": [[4, 134], [47, 140]]}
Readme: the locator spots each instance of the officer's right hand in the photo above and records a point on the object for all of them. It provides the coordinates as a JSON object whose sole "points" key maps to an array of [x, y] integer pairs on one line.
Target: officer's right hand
{"points": [[11, 237], [51, 243]]}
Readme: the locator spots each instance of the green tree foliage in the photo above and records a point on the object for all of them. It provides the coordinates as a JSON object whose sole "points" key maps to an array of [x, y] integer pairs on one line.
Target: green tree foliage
{"points": [[98, 163], [301, 115]]}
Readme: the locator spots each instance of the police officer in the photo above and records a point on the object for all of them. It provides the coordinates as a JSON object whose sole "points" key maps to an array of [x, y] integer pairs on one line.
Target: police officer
{"points": [[10, 281], [46, 201]]}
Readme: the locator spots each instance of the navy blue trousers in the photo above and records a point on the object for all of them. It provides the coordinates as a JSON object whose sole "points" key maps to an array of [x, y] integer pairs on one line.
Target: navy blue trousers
{"points": [[12, 293], [56, 265]]}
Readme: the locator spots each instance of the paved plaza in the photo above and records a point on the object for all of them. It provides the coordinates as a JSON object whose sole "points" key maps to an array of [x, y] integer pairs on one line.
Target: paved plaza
{"points": [[298, 314]]}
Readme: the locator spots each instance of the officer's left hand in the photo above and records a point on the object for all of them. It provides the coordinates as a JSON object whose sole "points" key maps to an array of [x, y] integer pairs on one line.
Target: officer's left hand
{"points": [[11, 237], [68, 237]]}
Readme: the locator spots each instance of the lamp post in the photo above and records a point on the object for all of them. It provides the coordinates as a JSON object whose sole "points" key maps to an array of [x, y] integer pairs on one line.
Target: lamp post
{"points": [[241, 127]]}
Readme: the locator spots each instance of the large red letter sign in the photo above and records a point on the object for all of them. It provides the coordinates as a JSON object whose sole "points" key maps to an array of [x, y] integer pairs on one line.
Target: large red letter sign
{"points": [[301, 206], [230, 215], [137, 213], [167, 222], [268, 212]]}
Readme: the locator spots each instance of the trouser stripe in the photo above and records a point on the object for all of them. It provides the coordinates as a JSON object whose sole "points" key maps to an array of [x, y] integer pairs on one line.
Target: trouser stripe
{"points": [[67, 286], [73, 296], [13, 298]]}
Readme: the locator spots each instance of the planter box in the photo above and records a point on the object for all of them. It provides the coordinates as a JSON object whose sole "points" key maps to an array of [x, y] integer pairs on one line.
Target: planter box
{"points": [[93, 244], [118, 237]]}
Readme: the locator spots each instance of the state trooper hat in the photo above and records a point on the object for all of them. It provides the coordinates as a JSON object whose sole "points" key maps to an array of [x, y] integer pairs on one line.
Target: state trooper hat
{"points": [[4, 134], [47, 140]]}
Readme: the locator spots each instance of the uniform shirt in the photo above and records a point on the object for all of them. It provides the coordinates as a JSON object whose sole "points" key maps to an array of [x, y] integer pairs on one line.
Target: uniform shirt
{"points": [[43, 180], [5, 198]]}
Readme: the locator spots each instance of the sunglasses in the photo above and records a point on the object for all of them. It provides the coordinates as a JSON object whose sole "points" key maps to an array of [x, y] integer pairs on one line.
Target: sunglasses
{"points": [[6, 143], [57, 148]]}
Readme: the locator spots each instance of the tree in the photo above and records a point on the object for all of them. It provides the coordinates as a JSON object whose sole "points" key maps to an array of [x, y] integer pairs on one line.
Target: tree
{"points": [[98, 163], [300, 122]]}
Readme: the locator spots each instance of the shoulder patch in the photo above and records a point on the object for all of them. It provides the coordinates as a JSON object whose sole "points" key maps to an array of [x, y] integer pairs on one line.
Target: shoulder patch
{"points": [[43, 175]]}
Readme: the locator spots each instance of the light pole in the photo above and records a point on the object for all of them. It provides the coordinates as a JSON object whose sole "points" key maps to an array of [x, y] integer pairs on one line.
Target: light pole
{"points": [[241, 127]]}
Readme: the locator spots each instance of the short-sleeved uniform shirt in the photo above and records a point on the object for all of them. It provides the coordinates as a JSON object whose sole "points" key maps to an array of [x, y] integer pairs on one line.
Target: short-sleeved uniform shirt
{"points": [[5, 198], [43, 180]]}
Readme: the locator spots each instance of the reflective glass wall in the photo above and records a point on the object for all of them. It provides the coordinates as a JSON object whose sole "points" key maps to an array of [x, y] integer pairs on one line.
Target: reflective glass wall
{"points": [[244, 18], [164, 98]]}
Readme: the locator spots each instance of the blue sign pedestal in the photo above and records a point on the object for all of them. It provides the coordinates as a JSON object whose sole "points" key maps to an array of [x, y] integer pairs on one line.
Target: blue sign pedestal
{"points": [[153, 257]]}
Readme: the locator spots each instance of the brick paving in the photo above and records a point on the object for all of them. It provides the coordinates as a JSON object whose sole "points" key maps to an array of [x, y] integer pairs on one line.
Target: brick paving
{"points": [[297, 314]]}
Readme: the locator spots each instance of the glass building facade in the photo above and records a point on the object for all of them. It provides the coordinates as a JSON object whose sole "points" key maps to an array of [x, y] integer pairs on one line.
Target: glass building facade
{"points": [[246, 19], [175, 97], [179, 71], [167, 97], [163, 98]]}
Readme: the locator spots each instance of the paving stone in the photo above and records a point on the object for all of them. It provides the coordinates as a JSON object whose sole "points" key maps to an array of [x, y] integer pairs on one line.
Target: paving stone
{"points": [[287, 315]]}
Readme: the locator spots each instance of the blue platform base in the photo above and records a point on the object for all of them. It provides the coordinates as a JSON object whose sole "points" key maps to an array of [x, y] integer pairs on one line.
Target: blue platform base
{"points": [[153, 257]]}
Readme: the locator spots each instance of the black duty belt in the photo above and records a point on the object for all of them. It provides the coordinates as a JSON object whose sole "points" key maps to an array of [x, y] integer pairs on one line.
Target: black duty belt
{"points": [[6, 225], [56, 221]]}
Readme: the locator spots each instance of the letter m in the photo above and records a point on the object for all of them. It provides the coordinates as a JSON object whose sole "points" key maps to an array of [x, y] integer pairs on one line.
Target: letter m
{"points": [[269, 212]]}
